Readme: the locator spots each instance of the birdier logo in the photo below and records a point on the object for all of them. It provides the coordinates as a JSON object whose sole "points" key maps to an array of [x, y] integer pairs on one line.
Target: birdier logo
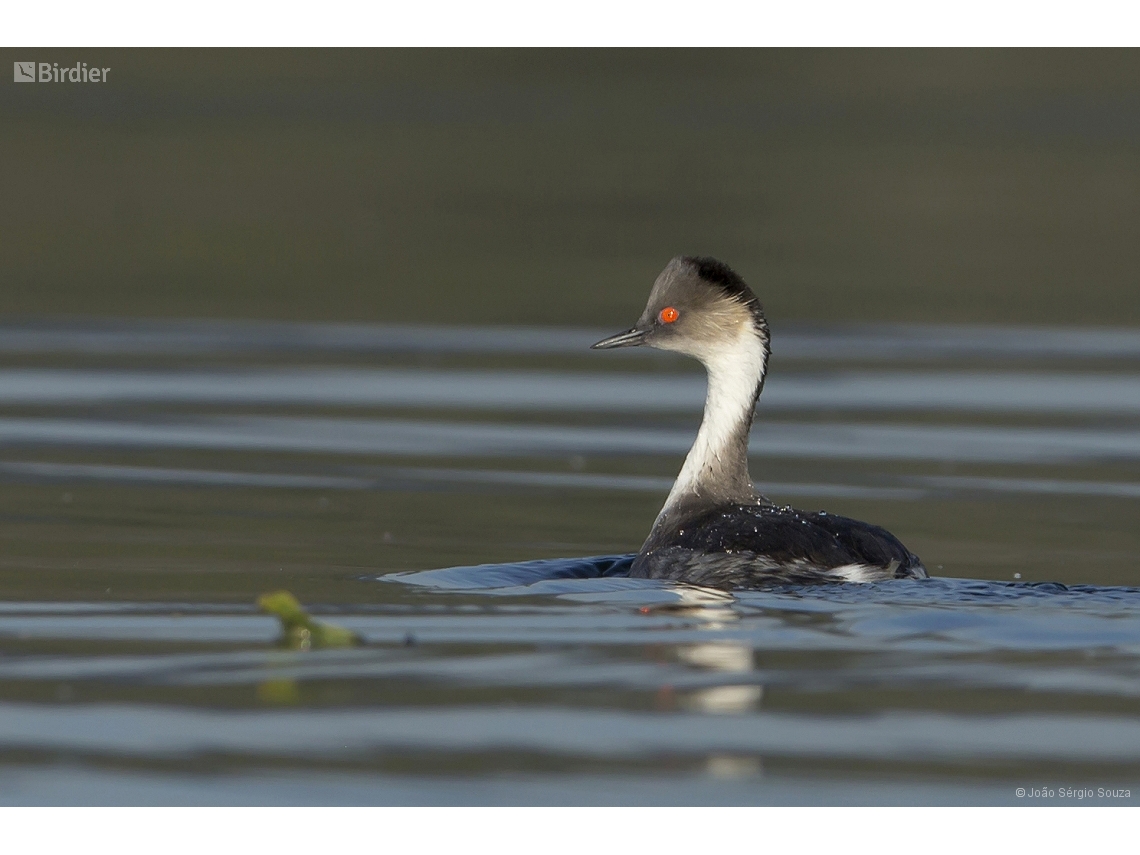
{"points": [[51, 72]]}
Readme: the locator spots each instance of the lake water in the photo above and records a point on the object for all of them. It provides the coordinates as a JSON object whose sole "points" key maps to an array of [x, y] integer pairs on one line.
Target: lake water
{"points": [[156, 477]]}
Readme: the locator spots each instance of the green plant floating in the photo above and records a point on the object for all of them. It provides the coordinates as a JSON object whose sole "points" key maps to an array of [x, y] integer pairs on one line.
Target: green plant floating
{"points": [[298, 630]]}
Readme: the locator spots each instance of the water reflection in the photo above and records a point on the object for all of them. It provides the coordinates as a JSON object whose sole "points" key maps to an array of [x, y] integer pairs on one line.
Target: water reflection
{"points": [[1050, 660], [175, 408], [833, 342], [973, 391], [712, 610], [421, 477], [546, 664], [966, 444]]}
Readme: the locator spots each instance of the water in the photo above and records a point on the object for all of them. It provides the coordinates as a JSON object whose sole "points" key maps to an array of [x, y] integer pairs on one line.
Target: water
{"points": [[441, 490]]}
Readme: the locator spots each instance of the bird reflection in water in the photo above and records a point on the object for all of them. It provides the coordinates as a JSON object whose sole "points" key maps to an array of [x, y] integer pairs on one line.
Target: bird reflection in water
{"points": [[711, 609]]}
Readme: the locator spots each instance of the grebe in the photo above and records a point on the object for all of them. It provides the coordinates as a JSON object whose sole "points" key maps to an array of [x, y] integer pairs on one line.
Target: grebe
{"points": [[715, 528]]}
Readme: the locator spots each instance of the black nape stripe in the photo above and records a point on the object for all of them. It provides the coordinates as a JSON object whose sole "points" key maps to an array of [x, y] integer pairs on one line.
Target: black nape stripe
{"points": [[719, 274]]}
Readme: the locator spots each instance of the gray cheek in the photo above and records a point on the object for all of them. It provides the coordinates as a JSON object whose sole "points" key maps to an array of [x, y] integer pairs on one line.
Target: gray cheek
{"points": [[669, 340]]}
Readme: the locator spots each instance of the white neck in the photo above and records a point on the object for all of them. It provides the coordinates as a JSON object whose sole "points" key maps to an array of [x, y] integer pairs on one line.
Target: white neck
{"points": [[717, 465]]}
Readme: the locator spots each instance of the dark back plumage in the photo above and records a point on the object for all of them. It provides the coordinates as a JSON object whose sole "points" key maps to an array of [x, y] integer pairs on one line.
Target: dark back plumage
{"points": [[748, 545]]}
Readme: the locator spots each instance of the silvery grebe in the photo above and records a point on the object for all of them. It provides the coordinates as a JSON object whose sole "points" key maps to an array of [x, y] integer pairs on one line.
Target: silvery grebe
{"points": [[715, 528]]}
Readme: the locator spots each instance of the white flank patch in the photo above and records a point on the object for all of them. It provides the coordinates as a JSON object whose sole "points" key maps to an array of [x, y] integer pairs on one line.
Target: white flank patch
{"points": [[856, 572]]}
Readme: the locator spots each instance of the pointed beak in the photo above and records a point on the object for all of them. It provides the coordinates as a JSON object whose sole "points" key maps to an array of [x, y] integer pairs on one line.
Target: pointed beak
{"points": [[629, 338]]}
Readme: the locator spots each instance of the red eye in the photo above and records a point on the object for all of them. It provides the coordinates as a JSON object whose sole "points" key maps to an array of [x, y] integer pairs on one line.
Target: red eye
{"points": [[668, 315]]}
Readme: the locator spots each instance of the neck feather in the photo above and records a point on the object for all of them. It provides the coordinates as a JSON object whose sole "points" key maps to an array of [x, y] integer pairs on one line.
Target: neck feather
{"points": [[716, 469]]}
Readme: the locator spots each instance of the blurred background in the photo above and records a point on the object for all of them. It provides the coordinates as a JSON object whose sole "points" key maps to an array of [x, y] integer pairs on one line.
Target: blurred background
{"points": [[311, 318], [550, 186]]}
